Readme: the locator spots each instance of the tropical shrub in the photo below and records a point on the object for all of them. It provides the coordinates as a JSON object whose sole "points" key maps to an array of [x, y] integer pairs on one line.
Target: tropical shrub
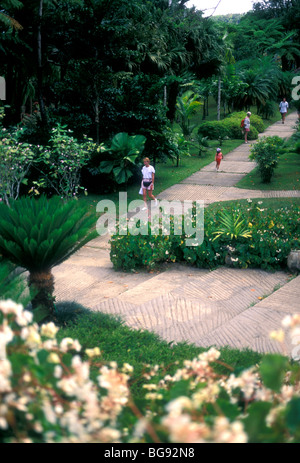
{"points": [[123, 153], [213, 130], [187, 106], [16, 160], [232, 226], [255, 120], [56, 392], [266, 153], [234, 127], [38, 234], [229, 127], [60, 164]]}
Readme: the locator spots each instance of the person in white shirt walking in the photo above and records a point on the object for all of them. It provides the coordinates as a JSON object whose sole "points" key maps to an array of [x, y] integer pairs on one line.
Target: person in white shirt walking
{"points": [[147, 184], [247, 126], [283, 108]]}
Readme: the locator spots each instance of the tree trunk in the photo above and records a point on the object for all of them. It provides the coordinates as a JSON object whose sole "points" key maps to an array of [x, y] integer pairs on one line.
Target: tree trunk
{"points": [[172, 97], [204, 109], [219, 99], [165, 96], [41, 285], [40, 67]]}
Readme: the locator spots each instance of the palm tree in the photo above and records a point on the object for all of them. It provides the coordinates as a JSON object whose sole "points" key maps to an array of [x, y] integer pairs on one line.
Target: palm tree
{"points": [[287, 49], [39, 234], [187, 106]]}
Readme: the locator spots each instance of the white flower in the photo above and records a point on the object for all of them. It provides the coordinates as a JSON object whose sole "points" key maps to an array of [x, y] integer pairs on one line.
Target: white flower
{"points": [[93, 352], [49, 330]]}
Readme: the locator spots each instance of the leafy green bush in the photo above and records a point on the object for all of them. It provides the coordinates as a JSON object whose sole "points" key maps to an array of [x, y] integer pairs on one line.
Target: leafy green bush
{"points": [[231, 127], [16, 160], [268, 237], [214, 129], [255, 120], [61, 163], [50, 394], [266, 153], [123, 153]]}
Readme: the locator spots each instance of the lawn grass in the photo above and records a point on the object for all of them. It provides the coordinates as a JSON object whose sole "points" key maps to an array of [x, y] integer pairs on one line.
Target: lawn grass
{"points": [[286, 176], [121, 344]]}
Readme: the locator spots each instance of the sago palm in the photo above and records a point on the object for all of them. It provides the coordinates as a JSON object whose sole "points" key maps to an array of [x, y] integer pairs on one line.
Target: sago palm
{"points": [[39, 234]]}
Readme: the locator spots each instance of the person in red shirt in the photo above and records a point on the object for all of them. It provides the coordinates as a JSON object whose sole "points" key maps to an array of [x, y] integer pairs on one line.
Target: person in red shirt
{"points": [[219, 157]]}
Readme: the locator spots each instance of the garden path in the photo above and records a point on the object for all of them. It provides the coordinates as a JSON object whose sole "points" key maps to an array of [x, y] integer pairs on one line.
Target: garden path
{"points": [[234, 307]]}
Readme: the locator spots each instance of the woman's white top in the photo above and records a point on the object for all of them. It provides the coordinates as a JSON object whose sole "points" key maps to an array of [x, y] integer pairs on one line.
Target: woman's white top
{"points": [[147, 172], [247, 123], [283, 106]]}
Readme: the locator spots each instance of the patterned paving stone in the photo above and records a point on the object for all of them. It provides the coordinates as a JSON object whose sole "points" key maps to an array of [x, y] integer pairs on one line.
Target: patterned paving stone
{"points": [[187, 304], [213, 178], [231, 167]]}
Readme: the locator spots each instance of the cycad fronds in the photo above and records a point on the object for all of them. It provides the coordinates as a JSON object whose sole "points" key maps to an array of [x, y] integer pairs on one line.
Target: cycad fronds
{"points": [[40, 234]]}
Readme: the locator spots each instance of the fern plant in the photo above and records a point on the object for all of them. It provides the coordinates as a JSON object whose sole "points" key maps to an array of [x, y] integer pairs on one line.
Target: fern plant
{"points": [[232, 226], [40, 234]]}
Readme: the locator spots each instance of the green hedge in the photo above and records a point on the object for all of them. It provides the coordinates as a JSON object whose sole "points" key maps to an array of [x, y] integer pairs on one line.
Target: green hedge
{"points": [[231, 127]]}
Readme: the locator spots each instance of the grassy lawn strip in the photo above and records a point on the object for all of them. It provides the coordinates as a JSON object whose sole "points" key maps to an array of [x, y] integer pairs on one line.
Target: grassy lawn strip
{"points": [[286, 176], [121, 344]]}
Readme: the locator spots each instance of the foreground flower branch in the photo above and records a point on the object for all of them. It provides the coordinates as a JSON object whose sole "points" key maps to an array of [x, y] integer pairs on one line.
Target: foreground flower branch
{"points": [[49, 394]]}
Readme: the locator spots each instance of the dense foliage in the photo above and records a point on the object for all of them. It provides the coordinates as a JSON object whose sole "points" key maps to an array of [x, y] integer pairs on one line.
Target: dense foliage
{"points": [[273, 233]]}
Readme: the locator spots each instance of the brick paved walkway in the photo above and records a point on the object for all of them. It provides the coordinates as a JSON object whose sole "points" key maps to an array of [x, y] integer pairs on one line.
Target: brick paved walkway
{"points": [[220, 307]]}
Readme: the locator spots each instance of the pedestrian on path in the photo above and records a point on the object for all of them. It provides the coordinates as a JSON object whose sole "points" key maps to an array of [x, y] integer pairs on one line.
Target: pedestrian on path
{"points": [[218, 158], [147, 184], [247, 125], [283, 108]]}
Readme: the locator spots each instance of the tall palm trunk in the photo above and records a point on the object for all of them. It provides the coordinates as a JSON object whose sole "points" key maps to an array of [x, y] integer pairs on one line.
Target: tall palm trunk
{"points": [[41, 285]]}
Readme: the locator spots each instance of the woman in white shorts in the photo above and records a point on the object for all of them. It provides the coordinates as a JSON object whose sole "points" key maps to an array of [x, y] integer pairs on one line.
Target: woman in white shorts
{"points": [[147, 182], [283, 108]]}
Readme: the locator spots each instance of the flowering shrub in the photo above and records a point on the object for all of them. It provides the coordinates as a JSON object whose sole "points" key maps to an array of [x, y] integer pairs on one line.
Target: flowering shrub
{"points": [[272, 235], [48, 393]]}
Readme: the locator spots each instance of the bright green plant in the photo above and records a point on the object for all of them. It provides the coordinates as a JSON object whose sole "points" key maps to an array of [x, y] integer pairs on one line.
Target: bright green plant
{"points": [[124, 152], [232, 226], [37, 235], [182, 147], [201, 143], [61, 163], [187, 106], [266, 153], [16, 160]]}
